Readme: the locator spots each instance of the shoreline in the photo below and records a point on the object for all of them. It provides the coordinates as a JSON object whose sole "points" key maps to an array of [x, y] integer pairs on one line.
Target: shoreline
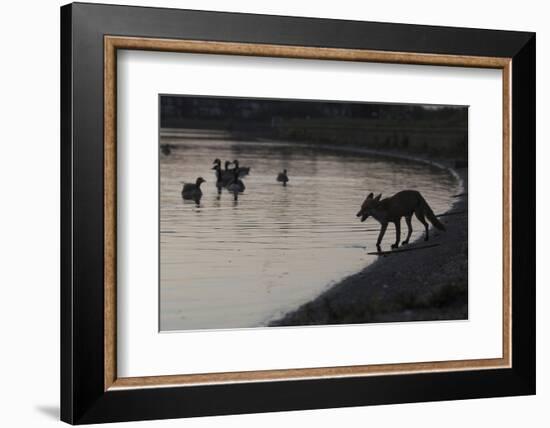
{"points": [[426, 285]]}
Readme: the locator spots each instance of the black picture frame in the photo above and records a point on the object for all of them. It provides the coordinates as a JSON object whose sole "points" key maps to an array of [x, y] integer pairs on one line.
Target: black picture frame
{"points": [[83, 398]]}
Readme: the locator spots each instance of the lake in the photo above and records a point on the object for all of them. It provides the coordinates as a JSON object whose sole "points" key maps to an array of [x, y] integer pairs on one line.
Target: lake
{"points": [[240, 263]]}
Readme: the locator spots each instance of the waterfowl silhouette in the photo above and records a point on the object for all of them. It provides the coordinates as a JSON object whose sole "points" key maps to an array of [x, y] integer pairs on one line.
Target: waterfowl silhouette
{"points": [[218, 162], [193, 190], [166, 149], [236, 185], [243, 170], [282, 177], [223, 178]]}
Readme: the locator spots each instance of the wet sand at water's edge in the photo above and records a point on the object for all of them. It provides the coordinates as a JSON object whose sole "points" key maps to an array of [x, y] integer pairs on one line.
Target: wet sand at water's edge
{"points": [[424, 285]]}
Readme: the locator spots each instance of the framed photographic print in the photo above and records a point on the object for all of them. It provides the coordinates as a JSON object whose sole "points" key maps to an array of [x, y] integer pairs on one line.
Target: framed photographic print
{"points": [[265, 213]]}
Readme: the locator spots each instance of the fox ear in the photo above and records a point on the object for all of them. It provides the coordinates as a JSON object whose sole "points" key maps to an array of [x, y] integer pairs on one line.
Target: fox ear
{"points": [[370, 196], [378, 197]]}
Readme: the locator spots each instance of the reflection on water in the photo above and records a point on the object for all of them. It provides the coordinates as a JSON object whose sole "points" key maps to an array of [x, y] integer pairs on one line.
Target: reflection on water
{"points": [[234, 261]]}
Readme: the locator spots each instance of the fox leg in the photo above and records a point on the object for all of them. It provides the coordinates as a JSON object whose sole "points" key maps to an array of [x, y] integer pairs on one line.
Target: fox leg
{"points": [[381, 235], [420, 217], [409, 231], [397, 233]]}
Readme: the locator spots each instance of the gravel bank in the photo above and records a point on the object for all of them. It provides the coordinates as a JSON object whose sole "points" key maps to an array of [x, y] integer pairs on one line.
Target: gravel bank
{"points": [[424, 285]]}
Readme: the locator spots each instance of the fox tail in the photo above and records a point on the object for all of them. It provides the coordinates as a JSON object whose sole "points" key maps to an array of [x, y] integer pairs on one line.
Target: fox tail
{"points": [[431, 216]]}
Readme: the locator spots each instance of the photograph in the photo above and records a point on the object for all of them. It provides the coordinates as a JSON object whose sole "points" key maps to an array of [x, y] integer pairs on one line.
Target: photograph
{"points": [[289, 212], [263, 213]]}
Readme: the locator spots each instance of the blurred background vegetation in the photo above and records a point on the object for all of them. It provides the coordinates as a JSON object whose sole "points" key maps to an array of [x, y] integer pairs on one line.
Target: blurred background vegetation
{"points": [[433, 131]]}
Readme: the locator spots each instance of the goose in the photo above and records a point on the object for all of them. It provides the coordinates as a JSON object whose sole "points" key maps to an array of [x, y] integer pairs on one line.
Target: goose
{"points": [[282, 177], [236, 185], [243, 170], [223, 177], [166, 149], [192, 190], [217, 162]]}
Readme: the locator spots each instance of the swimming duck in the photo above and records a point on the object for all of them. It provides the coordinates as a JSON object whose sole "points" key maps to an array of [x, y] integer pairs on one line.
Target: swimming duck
{"points": [[243, 170], [282, 177], [166, 149], [192, 190], [236, 185]]}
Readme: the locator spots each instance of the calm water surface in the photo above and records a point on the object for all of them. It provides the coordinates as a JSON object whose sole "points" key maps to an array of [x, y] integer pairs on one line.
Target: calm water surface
{"points": [[227, 263]]}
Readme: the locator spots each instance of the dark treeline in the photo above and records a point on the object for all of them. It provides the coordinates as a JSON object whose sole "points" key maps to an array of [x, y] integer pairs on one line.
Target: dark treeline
{"points": [[177, 111], [436, 131]]}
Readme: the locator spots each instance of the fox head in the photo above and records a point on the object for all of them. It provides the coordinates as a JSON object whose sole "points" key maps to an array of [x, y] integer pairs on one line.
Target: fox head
{"points": [[368, 205]]}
